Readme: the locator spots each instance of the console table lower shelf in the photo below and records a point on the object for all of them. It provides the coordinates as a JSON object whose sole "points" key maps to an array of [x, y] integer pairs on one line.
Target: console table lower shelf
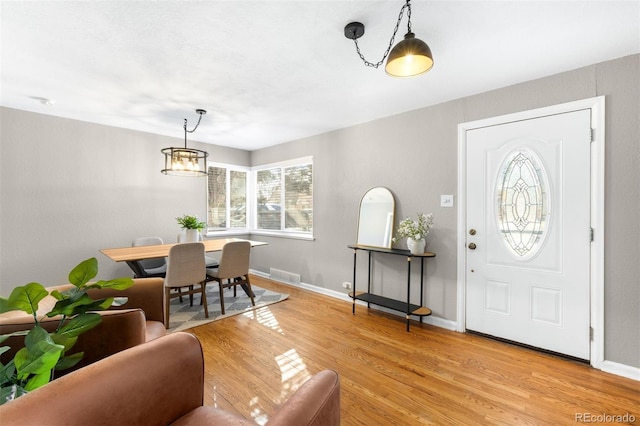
{"points": [[366, 296], [394, 304]]}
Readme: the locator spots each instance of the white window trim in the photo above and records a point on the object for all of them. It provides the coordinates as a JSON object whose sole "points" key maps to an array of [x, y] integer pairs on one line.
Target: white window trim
{"points": [[251, 229], [301, 161]]}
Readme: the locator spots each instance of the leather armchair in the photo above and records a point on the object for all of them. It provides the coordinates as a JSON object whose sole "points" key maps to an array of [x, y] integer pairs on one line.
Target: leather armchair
{"points": [[141, 319], [158, 383]]}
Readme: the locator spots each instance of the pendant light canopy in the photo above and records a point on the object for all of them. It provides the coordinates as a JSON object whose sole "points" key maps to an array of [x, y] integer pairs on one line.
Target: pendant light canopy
{"points": [[186, 161], [408, 58]]}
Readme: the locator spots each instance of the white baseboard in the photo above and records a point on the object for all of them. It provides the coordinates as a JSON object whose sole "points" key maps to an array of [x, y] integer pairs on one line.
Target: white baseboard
{"points": [[621, 370], [431, 320]]}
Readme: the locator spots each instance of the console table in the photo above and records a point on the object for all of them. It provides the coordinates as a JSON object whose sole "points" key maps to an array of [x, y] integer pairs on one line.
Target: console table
{"points": [[402, 306]]}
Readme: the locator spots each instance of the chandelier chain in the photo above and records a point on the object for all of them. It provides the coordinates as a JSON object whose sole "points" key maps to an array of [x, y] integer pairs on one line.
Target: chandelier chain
{"points": [[197, 124], [393, 37]]}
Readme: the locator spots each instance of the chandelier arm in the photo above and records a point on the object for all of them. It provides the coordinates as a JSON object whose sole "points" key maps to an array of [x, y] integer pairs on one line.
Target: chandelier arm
{"points": [[393, 37]]}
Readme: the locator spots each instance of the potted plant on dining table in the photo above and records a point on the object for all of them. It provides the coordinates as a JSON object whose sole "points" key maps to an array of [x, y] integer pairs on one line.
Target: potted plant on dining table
{"points": [[192, 226]]}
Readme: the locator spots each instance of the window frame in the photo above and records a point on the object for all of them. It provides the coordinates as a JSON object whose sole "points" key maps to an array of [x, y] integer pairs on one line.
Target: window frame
{"points": [[216, 231], [251, 201]]}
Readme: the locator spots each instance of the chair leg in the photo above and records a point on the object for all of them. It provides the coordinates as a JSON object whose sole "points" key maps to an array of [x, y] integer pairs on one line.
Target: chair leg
{"points": [[203, 286], [190, 295], [221, 297], [250, 291]]}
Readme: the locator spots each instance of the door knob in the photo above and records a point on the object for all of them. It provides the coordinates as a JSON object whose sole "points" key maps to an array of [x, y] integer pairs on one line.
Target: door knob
{"points": [[472, 246]]}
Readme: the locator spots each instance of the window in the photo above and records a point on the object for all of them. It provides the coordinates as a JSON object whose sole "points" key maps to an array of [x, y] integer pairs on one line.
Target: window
{"points": [[283, 200], [284, 197], [522, 209], [227, 198]]}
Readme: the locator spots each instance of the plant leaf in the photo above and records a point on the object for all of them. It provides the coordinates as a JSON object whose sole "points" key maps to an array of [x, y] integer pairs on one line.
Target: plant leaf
{"points": [[40, 358], [39, 355], [5, 306], [58, 295], [85, 271], [7, 373], [116, 284], [65, 341], [85, 303], [35, 335], [38, 380], [78, 325], [27, 297], [69, 361]]}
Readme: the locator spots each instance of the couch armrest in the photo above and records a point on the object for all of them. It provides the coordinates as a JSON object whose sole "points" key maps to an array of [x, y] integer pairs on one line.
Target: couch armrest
{"points": [[316, 402], [146, 294], [153, 383]]}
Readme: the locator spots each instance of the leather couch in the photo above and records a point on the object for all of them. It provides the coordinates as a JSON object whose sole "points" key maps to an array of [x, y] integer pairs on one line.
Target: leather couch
{"points": [[140, 320], [159, 383]]}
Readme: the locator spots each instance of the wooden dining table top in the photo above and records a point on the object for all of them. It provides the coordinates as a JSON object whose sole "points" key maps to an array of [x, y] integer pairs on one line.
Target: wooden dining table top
{"points": [[123, 254]]}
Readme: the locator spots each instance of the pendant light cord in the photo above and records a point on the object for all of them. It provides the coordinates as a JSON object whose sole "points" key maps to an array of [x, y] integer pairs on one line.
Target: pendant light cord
{"points": [[393, 37]]}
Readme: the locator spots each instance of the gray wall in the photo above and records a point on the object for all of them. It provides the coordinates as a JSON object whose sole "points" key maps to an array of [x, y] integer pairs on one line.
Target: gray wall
{"points": [[70, 188], [415, 155]]}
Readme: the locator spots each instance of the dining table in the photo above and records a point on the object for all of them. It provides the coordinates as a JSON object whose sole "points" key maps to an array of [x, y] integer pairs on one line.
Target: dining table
{"points": [[130, 253]]}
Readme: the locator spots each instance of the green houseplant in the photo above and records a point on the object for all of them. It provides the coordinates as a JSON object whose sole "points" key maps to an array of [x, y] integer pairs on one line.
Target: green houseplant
{"points": [[45, 352], [190, 222], [192, 227]]}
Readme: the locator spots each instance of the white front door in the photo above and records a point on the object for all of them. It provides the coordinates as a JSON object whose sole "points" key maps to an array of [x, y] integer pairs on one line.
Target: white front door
{"points": [[528, 231]]}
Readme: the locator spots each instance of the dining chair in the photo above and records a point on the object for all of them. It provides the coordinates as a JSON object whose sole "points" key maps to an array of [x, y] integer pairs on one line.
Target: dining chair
{"points": [[210, 261], [233, 270], [185, 270], [147, 268]]}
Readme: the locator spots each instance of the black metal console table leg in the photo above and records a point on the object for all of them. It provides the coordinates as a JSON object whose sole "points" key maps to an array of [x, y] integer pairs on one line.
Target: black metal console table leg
{"points": [[408, 291], [353, 289]]}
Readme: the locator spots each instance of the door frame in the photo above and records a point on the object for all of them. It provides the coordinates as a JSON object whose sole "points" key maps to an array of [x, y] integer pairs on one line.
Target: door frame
{"points": [[596, 105]]}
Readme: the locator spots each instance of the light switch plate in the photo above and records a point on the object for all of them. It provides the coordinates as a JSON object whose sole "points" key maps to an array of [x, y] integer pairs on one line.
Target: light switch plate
{"points": [[446, 201]]}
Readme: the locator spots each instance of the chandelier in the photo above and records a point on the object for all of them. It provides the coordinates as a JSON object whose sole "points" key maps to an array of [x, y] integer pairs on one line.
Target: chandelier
{"points": [[186, 161]]}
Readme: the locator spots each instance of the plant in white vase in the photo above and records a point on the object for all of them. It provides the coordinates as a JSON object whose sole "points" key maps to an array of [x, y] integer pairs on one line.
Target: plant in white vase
{"points": [[192, 226], [415, 231]]}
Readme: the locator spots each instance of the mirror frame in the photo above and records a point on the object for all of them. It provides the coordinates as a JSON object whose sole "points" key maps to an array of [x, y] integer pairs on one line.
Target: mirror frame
{"points": [[382, 232]]}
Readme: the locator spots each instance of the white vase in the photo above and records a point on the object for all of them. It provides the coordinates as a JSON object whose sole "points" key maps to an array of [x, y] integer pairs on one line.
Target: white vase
{"points": [[191, 235], [416, 246]]}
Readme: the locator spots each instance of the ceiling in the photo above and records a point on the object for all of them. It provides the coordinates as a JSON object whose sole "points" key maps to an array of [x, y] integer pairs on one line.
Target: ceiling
{"points": [[269, 72]]}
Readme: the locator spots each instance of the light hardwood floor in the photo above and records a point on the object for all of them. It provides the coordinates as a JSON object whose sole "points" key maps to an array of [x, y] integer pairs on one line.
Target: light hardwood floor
{"points": [[429, 375]]}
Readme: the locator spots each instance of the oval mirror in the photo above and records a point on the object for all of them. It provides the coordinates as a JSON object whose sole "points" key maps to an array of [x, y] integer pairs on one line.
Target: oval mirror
{"points": [[375, 218]]}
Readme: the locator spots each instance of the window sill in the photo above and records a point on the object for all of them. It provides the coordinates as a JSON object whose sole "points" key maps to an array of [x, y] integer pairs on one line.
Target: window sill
{"points": [[277, 234]]}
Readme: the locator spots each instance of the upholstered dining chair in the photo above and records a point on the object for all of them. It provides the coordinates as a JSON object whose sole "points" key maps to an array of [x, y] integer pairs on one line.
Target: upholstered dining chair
{"points": [[233, 270], [210, 261], [148, 268], [185, 271]]}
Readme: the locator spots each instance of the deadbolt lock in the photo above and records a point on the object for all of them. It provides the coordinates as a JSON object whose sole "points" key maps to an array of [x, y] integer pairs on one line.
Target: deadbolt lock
{"points": [[472, 231]]}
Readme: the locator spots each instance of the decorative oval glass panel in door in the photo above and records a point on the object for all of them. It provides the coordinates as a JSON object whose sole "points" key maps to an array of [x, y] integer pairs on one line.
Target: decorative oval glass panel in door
{"points": [[522, 210]]}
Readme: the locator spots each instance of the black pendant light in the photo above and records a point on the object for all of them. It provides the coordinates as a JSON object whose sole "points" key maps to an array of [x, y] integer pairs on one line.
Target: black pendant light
{"points": [[408, 58]]}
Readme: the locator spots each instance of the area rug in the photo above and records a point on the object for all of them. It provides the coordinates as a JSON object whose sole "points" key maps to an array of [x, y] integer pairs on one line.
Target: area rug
{"points": [[182, 316]]}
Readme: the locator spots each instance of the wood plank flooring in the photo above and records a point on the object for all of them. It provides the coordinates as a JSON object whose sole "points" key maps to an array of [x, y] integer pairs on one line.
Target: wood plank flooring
{"points": [[255, 361]]}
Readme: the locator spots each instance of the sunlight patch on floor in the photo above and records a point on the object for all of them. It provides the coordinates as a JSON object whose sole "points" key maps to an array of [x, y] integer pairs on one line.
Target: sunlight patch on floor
{"points": [[265, 317]]}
